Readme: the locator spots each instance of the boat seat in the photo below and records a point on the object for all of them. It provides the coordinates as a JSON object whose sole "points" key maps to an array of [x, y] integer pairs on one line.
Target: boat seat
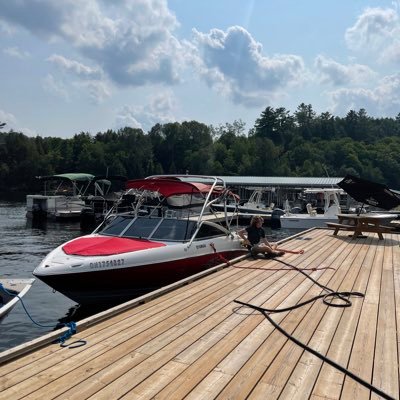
{"points": [[170, 214]]}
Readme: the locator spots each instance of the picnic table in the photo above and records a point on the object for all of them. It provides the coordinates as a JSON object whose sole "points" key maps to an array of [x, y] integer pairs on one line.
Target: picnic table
{"points": [[369, 222]]}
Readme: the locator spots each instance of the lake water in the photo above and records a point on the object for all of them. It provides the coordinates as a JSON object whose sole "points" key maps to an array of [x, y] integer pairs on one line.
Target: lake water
{"points": [[22, 247]]}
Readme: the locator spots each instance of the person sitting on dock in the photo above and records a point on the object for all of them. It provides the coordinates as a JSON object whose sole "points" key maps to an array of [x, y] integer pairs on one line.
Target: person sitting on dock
{"points": [[255, 240]]}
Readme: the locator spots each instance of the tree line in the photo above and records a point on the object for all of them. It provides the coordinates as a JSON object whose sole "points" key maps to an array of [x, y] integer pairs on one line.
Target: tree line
{"points": [[280, 143]]}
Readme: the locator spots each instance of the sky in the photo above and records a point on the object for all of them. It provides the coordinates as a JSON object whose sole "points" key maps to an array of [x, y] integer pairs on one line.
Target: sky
{"points": [[71, 66]]}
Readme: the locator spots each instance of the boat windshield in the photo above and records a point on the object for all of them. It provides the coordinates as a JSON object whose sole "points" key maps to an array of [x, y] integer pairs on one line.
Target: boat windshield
{"points": [[117, 226], [150, 228]]}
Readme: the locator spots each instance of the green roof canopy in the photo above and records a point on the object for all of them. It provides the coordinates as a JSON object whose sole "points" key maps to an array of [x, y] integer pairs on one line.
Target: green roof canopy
{"points": [[77, 177]]}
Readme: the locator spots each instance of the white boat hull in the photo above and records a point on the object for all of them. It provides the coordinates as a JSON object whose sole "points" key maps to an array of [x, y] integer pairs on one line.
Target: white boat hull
{"points": [[305, 221], [244, 210], [54, 207], [14, 288], [122, 276]]}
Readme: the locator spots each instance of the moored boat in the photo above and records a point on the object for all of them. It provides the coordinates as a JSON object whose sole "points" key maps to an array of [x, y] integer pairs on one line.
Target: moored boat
{"points": [[104, 193], [169, 234], [61, 198], [11, 290], [311, 218], [254, 206]]}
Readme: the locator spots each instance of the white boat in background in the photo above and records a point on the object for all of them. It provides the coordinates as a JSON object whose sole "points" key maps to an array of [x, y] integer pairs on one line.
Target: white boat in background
{"points": [[254, 205], [10, 292], [312, 219], [169, 234], [61, 198], [104, 193]]}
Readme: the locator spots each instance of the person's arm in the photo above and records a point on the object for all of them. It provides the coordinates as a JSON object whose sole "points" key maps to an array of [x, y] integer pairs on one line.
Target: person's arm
{"points": [[264, 239], [242, 234]]}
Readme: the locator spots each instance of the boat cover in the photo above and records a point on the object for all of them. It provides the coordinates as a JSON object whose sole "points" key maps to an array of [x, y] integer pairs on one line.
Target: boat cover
{"points": [[169, 187], [107, 246]]}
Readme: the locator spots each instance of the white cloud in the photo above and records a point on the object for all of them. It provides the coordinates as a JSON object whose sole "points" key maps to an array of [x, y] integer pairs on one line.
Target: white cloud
{"points": [[338, 74], [376, 34], [383, 100], [12, 123], [232, 62], [159, 109], [55, 87], [8, 118], [126, 117], [6, 29], [376, 31], [16, 53], [90, 81], [75, 67], [132, 39], [98, 91]]}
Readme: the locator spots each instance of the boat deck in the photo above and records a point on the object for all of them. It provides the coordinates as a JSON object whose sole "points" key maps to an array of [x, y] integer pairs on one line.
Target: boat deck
{"points": [[195, 342]]}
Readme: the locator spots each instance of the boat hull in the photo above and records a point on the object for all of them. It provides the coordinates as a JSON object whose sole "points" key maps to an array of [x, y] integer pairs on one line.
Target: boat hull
{"points": [[305, 221], [58, 208], [122, 284], [244, 210], [14, 290]]}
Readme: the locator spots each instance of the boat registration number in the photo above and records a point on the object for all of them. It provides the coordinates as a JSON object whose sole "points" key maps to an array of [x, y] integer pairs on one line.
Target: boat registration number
{"points": [[109, 263]]}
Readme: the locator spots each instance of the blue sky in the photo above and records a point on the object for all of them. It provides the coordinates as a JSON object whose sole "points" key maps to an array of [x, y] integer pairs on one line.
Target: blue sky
{"points": [[69, 66]]}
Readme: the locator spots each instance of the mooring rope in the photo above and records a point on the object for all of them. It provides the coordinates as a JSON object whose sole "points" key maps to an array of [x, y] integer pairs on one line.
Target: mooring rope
{"points": [[70, 325]]}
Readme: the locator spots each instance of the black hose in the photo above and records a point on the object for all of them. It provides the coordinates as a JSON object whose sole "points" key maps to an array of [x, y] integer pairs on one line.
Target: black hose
{"points": [[344, 297], [315, 353]]}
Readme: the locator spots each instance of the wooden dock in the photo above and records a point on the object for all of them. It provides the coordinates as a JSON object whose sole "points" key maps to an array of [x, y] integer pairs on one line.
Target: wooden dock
{"points": [[195, 342]]}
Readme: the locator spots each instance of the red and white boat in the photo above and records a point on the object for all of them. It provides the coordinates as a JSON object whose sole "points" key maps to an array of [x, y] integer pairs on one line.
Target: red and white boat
{"points": [[169, 234]]}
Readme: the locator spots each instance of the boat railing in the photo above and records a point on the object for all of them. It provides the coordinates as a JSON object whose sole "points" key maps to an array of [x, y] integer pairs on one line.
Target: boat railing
{"points": [[206, 206], [140, 197]]}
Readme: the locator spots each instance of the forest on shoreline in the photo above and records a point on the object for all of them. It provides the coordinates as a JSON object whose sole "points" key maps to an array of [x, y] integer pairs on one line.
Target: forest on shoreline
{"points": [[280, 143]]}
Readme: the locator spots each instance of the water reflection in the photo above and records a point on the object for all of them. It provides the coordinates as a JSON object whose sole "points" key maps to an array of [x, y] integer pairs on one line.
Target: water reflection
{"points": [[36, 224], [78, 312]]}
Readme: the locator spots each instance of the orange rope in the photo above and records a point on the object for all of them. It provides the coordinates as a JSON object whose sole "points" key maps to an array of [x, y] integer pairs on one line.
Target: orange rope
{"points": [[221, 257]]}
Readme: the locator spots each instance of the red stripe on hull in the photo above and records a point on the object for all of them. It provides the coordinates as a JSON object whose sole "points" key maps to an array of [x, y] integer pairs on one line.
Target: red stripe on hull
{"points": [[117, 285]]}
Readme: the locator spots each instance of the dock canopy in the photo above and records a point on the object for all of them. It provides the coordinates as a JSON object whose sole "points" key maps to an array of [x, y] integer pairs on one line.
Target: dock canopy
{"points": [[77, 177]]}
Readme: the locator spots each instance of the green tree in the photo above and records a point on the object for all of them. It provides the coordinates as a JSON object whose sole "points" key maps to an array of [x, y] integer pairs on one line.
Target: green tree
{"points": [[304, 117]]}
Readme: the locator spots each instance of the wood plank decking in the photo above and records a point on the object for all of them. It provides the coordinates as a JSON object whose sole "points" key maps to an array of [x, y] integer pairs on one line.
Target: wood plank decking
{"points": [[195, 342]]}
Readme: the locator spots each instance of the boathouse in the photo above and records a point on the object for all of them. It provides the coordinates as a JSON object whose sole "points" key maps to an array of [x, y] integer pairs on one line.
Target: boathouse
{"points": [[278, 189]]}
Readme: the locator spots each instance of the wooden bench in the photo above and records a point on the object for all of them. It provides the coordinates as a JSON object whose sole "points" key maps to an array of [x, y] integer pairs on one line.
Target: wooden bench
{"points": [[363, 225], [344, 227]]}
